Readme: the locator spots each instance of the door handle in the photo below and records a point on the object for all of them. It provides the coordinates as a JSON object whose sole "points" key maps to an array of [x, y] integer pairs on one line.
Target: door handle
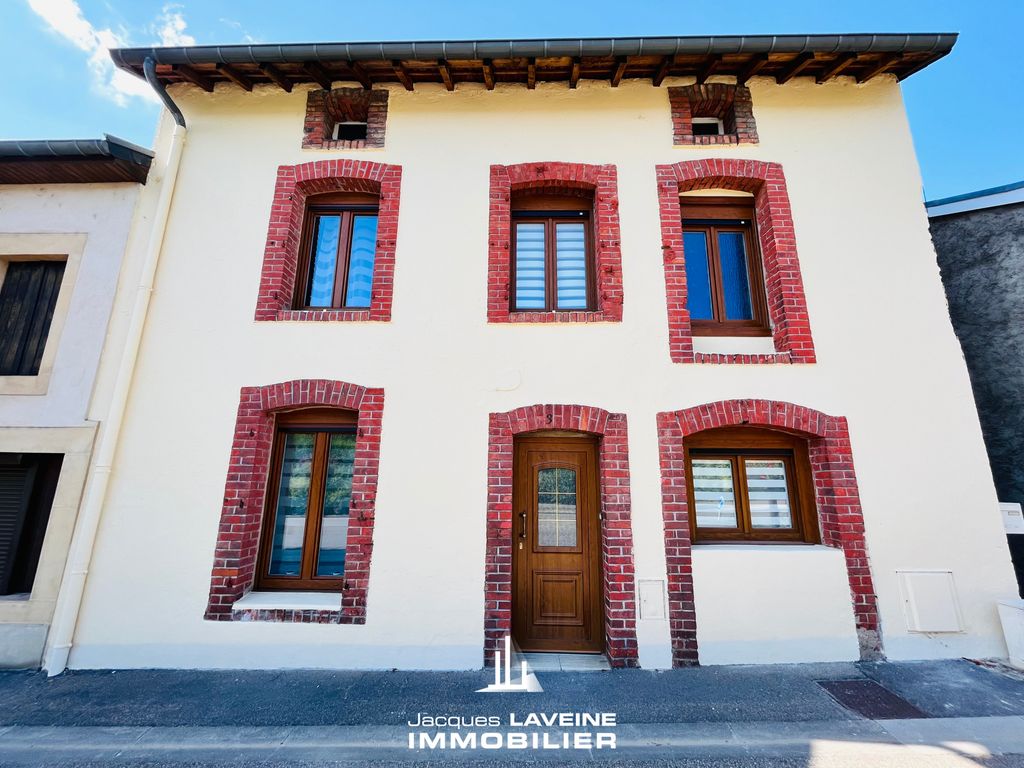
{"points": [[522, 525]]}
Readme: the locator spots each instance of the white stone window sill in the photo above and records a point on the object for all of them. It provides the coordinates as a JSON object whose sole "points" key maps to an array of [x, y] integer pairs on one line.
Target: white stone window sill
{"points": [[288, 601], [789, 546]]}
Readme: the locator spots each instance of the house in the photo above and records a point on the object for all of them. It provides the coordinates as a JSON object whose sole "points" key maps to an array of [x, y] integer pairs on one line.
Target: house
{"points": [[979, 240], [66, 209], [633, 348]]}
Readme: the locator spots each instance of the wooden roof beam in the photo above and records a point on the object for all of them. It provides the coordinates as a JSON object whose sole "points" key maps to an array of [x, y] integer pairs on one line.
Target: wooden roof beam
{"points": [[316, 70], [446, 75], [708, 69], [360, 75], [878, 68], [189, 74], [531, 73], [755, 65], [662, 73], [276, 76], [402, 74], [918, 66], [235, 76], [488, 67], [620, 70], [837, 67], [574, 73], [796, 66]]}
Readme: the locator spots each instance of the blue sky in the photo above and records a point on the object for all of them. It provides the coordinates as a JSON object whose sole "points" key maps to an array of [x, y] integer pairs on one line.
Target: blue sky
{"points": [[966, 110]]}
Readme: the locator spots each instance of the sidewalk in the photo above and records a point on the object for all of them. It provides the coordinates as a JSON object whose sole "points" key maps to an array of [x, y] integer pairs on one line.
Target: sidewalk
{"points": [[966, 715]]}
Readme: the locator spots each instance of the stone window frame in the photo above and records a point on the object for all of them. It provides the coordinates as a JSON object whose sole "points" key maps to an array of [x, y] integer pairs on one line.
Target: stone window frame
{"points": [[786, 302], [617, 569], [243, 512], [323, 108], [837, 499], [296, 183], [729, 103]]}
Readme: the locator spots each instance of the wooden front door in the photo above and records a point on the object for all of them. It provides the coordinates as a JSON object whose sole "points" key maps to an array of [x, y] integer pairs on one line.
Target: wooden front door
{"points": [[556, 545]]}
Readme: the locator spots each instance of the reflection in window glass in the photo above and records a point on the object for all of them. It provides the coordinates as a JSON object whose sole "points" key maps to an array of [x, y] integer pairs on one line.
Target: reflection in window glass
{"points": [[292, 502], [556, 507], [529, 265], [698, 283], [360, 263], [337, 496], [766, 488], [713, 493], [735, 282], [325, 261], [571, 255]]}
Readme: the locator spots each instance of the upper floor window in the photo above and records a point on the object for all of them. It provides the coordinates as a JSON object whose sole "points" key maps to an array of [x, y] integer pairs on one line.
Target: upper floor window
{"points": [[305, 525], [750, 484], [339, 246], [28, 297], [28, 483], [725, 288], [552, 248]]}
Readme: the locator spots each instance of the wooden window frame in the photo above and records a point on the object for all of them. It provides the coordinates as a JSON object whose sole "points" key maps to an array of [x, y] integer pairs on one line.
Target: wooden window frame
{"points": [[347, 205], [324, 422], [736, 445], [709, 216], [549, 210]]}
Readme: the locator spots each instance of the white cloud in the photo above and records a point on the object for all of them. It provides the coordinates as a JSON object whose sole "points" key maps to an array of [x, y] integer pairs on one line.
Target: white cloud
{"points": [[65, 18]]}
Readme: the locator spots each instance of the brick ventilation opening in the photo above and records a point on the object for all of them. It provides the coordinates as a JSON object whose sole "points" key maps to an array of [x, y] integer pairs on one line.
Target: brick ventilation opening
{"points": [[601, 180], [787, 307], [327, 109], [729, 103], [281, 256], [234, 564], [616, 525], [837, 499]]}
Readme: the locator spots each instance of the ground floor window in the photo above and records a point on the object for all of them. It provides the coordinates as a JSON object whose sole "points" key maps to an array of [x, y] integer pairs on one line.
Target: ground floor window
{"points": [[27, 485], [749, 484], [305, 527]]}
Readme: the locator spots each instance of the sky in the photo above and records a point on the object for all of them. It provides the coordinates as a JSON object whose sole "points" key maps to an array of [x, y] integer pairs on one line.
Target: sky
{"points": [[966, 110]]}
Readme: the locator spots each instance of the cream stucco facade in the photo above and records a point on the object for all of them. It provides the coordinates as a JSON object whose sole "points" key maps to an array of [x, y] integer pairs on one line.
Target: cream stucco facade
{"points": [[887, 360]]}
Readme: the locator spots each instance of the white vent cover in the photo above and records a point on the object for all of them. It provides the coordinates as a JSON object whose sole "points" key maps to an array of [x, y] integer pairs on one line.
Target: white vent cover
{"points": [[929, 601], [1013, 518], [651, 598]]}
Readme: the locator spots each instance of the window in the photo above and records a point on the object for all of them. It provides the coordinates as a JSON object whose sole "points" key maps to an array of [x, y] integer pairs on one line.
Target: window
{"points": [[749, 484], [724, 287], [708, 126], [552, 263], [305, 527], [27, 486], [28, 296], [345, 118], [339, 247], [349, 130], [712, 114]]}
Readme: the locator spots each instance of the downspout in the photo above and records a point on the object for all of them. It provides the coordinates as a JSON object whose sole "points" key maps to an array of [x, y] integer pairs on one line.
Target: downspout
{"points": [[69, 602]]}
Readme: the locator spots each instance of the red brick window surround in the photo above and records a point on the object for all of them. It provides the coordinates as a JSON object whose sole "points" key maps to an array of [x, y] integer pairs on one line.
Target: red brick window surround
{"points": [[729, 103], [787, 307], [837, 499], [296, 183], [616, 524], [234, 564], [599, 180], [326, 109]]}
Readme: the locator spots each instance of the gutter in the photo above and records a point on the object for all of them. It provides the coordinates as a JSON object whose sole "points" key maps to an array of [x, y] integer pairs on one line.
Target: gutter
{"points": [[69, 601]]}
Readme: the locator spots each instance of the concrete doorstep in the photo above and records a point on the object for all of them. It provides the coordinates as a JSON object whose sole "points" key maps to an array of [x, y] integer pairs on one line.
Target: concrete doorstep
{"points": [[929, 739]]}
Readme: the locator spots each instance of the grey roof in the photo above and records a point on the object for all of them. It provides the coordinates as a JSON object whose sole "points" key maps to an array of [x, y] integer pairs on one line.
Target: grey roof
{"points": [[993, 197], [45, 161], [453, 61]]}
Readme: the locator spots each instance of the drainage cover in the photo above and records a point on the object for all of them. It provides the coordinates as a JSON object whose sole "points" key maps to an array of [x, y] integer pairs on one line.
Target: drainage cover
{"points": [[870, 699]]}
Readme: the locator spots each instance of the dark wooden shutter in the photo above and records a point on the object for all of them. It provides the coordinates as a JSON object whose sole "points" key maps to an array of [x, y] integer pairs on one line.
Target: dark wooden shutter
{"points": [[27, 300], [15, 491]]}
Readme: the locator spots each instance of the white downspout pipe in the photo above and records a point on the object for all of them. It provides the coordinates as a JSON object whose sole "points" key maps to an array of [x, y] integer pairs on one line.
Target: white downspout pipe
{"points": [[65, 617]]}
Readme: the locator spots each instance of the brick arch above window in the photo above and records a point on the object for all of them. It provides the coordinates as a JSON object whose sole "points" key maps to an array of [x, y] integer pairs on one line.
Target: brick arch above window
{"points": [[235, 556], [616, 523], [837, 500], [787, 305], [296, 183], [602, 180]]}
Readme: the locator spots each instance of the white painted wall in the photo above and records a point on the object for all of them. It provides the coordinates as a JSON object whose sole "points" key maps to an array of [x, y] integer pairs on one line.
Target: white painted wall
{"points": [[888, 360], [103, 214]]}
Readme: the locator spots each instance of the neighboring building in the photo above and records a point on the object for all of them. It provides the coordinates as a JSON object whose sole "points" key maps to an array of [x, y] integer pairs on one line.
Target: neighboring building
{"points": [[979, 239], [441, 332], [66, 208]]}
